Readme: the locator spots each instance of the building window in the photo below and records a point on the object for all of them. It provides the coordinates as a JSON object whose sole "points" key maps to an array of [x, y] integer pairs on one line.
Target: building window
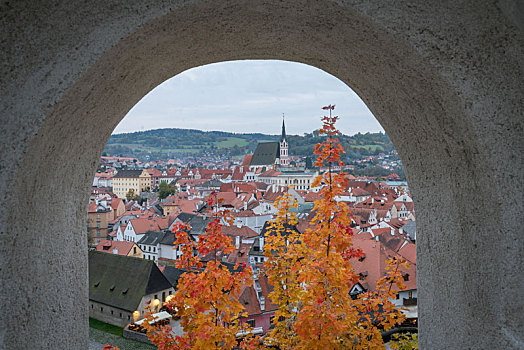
{"points": [[251, 323], [101, 309]]}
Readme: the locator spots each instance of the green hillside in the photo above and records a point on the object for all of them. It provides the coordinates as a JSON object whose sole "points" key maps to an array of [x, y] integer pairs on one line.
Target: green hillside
{"points": [[170, 143]]}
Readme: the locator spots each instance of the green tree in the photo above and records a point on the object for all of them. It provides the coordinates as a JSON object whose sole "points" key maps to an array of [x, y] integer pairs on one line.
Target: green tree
{"points": [[165, 189], [131, 194]]}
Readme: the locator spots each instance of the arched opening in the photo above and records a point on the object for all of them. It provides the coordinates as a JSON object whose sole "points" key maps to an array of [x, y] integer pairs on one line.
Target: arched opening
{"points": [[243, 97], [431, 89]]}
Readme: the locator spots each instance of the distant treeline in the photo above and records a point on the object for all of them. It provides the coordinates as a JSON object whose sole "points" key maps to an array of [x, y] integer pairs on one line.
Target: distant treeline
{"points": [[166, 143]]}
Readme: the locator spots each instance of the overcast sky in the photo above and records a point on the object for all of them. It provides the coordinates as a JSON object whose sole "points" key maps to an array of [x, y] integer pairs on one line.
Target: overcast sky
{"points": [[249, 96]]}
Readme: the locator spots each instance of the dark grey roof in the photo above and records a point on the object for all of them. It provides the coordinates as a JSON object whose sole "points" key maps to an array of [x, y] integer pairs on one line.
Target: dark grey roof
{"points": [[122, 281], [283, 135], [266, 153], [212, 183], [410, 228], [152, 237], [267, 230], [198, 223], [157, 208], [173, 275], [255, 248], [128, 173], [168, 239]]}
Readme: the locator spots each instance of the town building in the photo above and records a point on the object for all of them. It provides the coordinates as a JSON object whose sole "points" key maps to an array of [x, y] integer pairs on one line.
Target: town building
{"points": [[99, 214], [300, 180], [121, 287], [120, 248], [136, 180], [270, 155]]}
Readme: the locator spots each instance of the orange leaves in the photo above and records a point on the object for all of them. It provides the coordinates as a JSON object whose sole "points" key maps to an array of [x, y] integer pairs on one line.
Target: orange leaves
{"points": [[206, 300], [329, 151], [312, 275]]}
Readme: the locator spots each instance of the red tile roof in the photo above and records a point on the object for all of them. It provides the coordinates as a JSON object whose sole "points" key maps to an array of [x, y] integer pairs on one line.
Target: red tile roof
{"points": [[107, 246], [142, 225], [115, 202], [372, 267], [240, 255], [243, 231], [247, 160]]}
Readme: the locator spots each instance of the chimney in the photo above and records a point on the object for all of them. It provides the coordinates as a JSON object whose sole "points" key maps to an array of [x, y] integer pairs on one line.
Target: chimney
{"points": [[401, 231], [237, 242], [376, 239], [392, 231], [372, 200]]}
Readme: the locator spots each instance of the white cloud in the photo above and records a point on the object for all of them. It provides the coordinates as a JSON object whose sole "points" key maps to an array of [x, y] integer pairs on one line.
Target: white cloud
{"points": [[249, 96]]}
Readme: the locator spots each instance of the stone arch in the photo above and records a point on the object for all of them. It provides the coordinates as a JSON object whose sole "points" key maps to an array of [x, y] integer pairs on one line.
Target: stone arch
{"points": [[444, 81]]}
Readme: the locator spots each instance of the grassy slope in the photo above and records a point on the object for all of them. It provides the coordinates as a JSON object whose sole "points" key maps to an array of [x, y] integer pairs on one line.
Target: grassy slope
{"points": [[105, 327]]}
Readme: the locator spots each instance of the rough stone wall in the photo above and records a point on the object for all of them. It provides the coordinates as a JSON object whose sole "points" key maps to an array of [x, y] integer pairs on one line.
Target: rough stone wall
{"points": [[444, 79]]}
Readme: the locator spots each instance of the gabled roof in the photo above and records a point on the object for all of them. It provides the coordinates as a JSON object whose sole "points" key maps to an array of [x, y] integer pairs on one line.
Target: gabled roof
{"points": [[198, 223], [122, 281], [168, 239], [152, 237], [143, 224], [247, 160], [243, 231], [248, 299], [241, 254], [172, 274], [107, 246], [266, 153], [115, 202]]}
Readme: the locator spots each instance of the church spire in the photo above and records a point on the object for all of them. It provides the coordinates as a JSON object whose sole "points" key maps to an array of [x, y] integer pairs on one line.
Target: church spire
{"points": [[283, 146], [283, 136]]}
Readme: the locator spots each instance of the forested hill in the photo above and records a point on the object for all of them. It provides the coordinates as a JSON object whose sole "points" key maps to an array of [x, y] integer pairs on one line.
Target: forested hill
{"points": [[169, 143]]}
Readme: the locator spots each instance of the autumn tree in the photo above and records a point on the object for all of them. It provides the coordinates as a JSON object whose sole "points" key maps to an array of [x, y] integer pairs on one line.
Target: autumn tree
{"points": [[312, 274], [207, 296], [284, 252]]}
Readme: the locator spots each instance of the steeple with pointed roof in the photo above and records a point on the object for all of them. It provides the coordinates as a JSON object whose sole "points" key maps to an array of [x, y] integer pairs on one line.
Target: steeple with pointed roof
{"points": [[284, 161], [283, 136]]}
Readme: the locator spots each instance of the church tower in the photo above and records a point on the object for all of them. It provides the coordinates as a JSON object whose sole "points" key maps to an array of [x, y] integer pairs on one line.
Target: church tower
{"points": [[283, 145]]}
